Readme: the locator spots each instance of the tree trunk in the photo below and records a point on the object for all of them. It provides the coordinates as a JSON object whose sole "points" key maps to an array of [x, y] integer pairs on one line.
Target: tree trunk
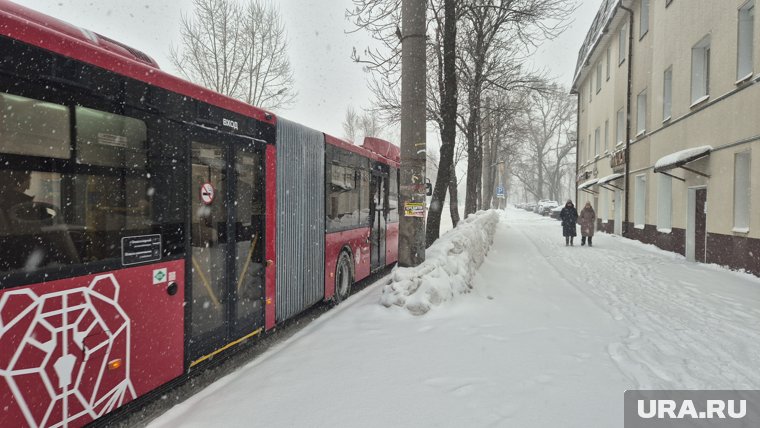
{"points": [[448, 88], [474, 153], [453, 197]]}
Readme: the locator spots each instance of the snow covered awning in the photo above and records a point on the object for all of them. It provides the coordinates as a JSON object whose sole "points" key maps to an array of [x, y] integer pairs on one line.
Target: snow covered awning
{"points": [[588, 184], [679, 159], [605, 181]]}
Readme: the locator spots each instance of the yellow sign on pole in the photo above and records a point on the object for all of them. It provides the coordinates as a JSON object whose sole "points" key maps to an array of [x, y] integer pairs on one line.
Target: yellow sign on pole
{"points": [[414, 209]]}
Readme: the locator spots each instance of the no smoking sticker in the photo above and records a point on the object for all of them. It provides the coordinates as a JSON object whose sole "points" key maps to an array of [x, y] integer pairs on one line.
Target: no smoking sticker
{"points": [[207, 193]]}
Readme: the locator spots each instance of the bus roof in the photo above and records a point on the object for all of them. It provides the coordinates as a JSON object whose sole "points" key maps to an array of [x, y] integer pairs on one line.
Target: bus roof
{"points": [[35, 28], [376, 150]]}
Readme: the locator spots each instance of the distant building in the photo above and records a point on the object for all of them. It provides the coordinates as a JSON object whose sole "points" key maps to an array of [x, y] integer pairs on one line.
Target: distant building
{"points": [[669, 126]]}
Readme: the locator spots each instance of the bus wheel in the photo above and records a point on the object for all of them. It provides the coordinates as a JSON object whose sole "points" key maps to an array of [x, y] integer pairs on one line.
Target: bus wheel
{"points": [[343, 279]]}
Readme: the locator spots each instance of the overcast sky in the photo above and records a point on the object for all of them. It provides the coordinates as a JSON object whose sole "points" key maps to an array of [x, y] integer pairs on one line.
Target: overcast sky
{"points": [[326, 79]]}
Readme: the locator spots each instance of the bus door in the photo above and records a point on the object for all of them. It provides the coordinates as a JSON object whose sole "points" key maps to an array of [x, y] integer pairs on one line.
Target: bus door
{"points": [[227, 243], [379, 216]]}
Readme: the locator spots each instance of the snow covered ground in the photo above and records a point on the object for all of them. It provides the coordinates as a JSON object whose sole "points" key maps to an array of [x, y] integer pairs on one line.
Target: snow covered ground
{"points": [[548, 336]]}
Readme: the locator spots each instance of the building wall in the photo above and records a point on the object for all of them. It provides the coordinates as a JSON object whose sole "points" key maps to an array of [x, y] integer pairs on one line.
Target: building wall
{"points": [[726, 120]]}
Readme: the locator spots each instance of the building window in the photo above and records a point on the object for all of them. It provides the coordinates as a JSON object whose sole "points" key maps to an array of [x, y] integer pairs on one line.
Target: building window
{"points": [[598, 77], [609, 54], [641, 200], [664, 203], [700, 71], [597, 141], [606, 135], [745, 41], [644, 19], [641, 114], [621, 45], [588, 148], [620, 127], [590, 89], [742, 182], [667, 94]]}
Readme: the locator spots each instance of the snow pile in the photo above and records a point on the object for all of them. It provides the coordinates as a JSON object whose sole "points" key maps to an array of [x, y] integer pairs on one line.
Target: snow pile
{"points": [[449, 266]]}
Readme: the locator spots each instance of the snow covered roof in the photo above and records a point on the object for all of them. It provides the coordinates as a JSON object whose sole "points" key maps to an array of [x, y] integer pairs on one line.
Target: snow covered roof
{"points": [[588, 184], [677, 159], [598, 28], [607, 179]]}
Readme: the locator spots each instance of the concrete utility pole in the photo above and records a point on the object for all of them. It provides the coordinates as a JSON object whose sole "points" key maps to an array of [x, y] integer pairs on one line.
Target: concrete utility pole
{"points": [[411, 245]]}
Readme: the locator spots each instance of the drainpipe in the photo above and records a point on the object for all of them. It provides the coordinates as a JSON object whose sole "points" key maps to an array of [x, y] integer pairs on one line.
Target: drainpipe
{"points": [[577, 146], [628, 119]]}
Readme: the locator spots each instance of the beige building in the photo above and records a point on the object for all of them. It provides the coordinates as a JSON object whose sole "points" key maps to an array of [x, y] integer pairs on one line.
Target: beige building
{"points": [[669, 126]]}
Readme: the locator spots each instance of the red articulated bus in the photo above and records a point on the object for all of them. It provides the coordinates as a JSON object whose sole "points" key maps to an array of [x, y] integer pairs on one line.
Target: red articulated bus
{"points": [[148, 224]]}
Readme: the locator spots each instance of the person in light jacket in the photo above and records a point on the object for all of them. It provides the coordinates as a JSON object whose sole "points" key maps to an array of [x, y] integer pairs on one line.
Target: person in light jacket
{"points": [[569, 216], [587, 219]]}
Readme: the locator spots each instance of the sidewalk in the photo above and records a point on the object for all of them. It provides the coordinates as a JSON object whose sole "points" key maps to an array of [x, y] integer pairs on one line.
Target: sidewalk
{"points": [[550, 336]]}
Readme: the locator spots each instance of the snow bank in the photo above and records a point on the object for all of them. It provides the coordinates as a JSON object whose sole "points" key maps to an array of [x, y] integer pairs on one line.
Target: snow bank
{"points": [[448, 269]]}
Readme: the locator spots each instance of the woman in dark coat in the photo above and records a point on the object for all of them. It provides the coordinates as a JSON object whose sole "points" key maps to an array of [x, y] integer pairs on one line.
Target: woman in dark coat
{"points": [[587, 220], [568, 215]]}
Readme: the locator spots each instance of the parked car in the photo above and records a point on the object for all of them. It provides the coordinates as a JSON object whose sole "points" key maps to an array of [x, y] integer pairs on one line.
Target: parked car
{"points": [[547, 206], [530, 206], [554, 212], [538, 207]]}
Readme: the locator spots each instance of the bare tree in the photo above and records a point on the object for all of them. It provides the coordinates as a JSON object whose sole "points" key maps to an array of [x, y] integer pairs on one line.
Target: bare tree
{"points": [[548, 121], [474, 46], [366, 124], [351, 124], [239, 50]]}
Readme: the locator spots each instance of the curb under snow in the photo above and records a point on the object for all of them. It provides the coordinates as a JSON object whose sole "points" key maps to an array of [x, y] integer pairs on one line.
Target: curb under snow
{"points": [[449, 266]]}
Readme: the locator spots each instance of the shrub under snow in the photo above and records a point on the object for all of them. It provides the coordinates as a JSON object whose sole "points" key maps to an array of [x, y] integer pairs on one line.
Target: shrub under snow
{"points": [[449, 266]]}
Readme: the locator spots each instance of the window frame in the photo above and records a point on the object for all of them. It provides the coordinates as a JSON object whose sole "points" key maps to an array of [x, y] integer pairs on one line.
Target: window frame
{"points": [[664, 203], [742, 207], [643, 19], [622, 34], [745, 45], [667, 94], [598, 77], [620, 128], [639, 216], [606, 135], [609, 54], [597, 141], [700, 71], [641, 113]]}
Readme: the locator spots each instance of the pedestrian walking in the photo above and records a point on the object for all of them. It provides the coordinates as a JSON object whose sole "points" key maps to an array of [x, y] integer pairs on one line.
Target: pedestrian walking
{"points": [[569, 217], [587, 220]]}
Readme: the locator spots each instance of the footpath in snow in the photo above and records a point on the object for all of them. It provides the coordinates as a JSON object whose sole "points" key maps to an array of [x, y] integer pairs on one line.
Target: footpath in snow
{"points": [[543, 336]]}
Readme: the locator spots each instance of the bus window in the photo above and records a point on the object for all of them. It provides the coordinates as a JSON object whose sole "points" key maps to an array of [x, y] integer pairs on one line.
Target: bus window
{"points": [[393, 197], [343, 197], [364, 218], [34, 128], [54, 214], [109, 139]]}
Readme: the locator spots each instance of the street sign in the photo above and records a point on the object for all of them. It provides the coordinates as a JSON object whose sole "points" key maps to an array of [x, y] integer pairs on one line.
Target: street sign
{"points": [[207, 193], [500, 192]]}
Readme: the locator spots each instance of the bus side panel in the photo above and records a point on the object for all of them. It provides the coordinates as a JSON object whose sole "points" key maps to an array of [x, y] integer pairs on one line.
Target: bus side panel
{"points": [[357, 240], [81, 347], [391, 243], [271, 233]]}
